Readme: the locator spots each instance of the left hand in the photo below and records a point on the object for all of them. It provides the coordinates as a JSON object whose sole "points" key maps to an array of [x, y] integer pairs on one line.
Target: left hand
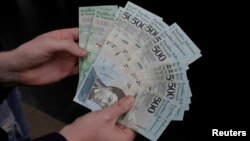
{"points": [[48, 58]]}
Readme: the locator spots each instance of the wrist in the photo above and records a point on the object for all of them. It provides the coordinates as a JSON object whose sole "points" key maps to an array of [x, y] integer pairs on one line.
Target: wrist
{"points": [[71, 134], [8, 73], [65, 132]]}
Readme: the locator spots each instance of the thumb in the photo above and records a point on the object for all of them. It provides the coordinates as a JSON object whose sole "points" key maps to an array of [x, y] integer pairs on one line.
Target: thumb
{"points": [[120, 107]]}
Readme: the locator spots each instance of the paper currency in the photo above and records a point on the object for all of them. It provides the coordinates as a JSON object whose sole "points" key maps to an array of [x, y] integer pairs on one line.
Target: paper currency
{"points": [[95, 24], [133, 52]]}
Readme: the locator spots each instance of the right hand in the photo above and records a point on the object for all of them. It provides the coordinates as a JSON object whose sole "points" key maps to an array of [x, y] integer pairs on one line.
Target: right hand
{"points": [[101, 125]]}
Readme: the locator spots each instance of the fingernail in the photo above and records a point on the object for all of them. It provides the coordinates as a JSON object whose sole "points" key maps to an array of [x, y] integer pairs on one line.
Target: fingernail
{"points": [[130, 100]]}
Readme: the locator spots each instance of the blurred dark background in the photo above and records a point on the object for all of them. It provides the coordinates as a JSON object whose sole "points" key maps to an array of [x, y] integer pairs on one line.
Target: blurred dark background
{"points": [[219, 79]]}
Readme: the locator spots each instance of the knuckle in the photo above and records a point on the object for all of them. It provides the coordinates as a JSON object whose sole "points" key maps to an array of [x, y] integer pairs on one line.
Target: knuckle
{"points": [[106, 116]]}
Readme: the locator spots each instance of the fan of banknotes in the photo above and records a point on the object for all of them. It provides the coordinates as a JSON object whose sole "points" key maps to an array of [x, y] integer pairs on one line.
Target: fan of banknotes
{"points": [[132, 51]]}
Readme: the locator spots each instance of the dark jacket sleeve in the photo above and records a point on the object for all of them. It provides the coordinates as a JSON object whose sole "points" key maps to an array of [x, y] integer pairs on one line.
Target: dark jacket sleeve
{"points": [[51, 137], [4, 91], [3, 135]]}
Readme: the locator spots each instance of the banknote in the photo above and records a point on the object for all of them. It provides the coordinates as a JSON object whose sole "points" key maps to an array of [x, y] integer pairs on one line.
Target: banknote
{"points": [[186, 45], [86, 15], [122, 47], [132, 51], [102, 23], [102, 87], [150, 115]]}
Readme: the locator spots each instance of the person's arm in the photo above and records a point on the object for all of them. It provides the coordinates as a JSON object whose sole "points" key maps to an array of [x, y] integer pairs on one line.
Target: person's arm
{"points": [[4, 90], [7, 75], [48, 58]]}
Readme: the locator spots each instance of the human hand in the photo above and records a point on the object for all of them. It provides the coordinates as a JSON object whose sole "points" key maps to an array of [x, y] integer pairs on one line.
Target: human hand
{"points": [[47, 58], [101, 125]]}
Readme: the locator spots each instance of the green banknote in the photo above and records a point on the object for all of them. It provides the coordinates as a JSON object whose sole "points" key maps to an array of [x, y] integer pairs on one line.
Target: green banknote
{"points": [[91, 25]]}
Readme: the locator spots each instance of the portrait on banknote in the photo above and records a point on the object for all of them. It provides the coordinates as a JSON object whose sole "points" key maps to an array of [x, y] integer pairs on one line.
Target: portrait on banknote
{"points": [[104, 95]]}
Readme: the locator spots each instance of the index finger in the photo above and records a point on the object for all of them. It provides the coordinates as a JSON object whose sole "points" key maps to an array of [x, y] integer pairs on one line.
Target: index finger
{"points": [[64, 34], [69, 33]]}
